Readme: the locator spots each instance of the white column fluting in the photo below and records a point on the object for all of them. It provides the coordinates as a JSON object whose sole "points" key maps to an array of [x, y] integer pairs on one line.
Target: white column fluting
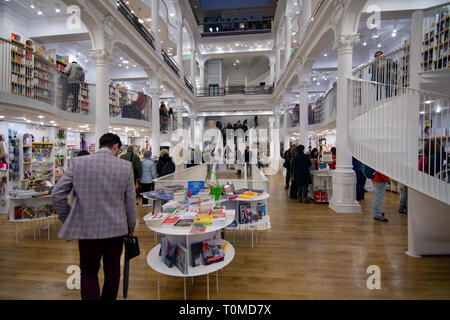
{"points": [[344, 179], [179, 57], [303, 113], [155, 95], [102, 60], [287, 50], [155, 25]]}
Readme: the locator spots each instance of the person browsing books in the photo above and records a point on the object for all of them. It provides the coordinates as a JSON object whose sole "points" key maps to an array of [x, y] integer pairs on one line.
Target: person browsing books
{"points": [[101, 213], [148, 174]]}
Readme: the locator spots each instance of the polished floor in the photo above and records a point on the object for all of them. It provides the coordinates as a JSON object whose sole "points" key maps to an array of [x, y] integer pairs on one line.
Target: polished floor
{"points": [[310, 253]]}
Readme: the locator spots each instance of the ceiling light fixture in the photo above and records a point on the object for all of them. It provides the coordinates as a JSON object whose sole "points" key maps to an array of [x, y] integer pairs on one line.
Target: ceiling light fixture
{"points": [[33, 6], [41, 117]]}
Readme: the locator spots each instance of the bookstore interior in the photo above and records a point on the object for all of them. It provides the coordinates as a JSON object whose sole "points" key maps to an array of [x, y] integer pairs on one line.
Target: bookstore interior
{"points": [[366, 93]]}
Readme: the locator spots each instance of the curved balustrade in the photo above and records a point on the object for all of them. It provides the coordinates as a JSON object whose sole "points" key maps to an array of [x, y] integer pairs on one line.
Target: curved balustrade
{"points": [[386, 132], [31, 80]]}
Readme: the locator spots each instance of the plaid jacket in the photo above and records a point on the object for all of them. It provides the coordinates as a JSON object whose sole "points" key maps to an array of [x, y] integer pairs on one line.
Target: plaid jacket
{"points": [[103, 200]]}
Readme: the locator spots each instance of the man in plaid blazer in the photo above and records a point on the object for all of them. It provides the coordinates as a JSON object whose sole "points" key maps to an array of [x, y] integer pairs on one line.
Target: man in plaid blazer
{"points": [[101, 213]]}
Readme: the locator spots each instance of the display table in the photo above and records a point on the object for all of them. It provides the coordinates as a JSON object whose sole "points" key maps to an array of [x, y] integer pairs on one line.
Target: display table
{"points": [[260, 225], [154, 261], [184, 235], [29, 201], [321, 188], [156, 202]]}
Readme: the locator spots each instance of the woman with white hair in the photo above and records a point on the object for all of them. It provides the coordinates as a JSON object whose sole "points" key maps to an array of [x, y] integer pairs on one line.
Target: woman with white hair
{"points": [[148, 174]]}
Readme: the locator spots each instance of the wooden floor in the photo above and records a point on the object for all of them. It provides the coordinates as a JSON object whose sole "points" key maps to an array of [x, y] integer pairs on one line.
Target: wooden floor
{"points": [[310, 253]]}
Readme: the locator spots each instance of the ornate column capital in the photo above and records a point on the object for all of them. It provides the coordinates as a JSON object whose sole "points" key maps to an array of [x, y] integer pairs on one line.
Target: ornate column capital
{"points": [[345, 43], [101, 56], [155, 92]]}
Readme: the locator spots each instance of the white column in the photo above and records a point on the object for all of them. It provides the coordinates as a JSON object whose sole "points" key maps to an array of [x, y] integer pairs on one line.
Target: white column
{"points": [[192, 120], [287, 51], [102, 60], [285, 130], [201, 68], [303, 113], [305, 16], [155, 121], [179, 107], [278, 62], [179, 57], [272, 71], [277, 135], [344, 179], [155, 25]]}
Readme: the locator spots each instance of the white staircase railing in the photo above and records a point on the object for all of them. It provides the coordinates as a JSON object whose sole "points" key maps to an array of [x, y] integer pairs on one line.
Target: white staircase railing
{"points": [[386, 132]]}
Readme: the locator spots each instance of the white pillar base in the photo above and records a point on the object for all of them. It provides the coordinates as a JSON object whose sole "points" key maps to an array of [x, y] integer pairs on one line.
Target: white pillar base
{"points": [[344, 192]]}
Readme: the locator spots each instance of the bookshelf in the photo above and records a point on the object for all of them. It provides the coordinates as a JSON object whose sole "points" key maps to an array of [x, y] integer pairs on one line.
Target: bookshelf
{"points": [[61, 62], [22, 65], [83, 99], [114, 109], [44, 80], [436, 51]]}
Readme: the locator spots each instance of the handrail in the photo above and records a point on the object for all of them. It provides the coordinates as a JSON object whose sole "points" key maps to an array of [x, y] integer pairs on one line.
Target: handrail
{"points": [[133, 20], [391, 133], [383, 57]]}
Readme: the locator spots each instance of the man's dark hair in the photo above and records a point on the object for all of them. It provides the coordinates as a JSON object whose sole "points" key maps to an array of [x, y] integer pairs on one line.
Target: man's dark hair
{"points": [[83, 153], [301, 148], [109, 140]]}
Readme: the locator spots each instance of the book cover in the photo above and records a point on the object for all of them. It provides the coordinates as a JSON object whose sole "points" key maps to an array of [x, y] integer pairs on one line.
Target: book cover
{"points": [[261, 209], [203, 219], [212, 251], [171, 220], [167, 252], [194, 187], [184, 223], [204, 212], [243, 212], [224, 246], [196, 254], [247, 195], [198, 228], [180, 258]]}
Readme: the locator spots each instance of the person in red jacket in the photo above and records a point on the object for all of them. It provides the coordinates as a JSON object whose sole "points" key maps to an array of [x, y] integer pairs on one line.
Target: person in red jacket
{"points": [[332, 165], [379, 183]]}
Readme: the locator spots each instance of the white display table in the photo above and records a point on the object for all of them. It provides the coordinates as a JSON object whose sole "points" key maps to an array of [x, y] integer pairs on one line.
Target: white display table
{"points": [[184, 235], [260, 225], [29, 201], [154, 261]]}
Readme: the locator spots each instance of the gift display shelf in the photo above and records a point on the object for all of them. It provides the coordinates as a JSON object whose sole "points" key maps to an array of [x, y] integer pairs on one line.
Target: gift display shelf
{"points": [[321, 189], [184, 235], [31, 200]]}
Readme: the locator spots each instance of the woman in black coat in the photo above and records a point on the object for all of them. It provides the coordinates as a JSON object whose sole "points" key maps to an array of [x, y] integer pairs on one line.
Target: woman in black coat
{"points": [[165, 164], [300, 172]]}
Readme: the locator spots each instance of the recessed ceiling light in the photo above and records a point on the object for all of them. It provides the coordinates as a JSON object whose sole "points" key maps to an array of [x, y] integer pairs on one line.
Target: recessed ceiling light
{"points": [[325, 54], [41, 117], [39, 13], [364, 43], [33, 5], [379, 45], [125, 61], [318, 83], [52, 121]]}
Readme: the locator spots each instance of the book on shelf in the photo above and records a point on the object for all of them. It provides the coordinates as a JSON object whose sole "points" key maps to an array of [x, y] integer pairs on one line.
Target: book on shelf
{"points": [[261, 209], [213, 251], [224, 246], [181, 258], [167, 252], [243, 207], [197, 254], [198, 228]]}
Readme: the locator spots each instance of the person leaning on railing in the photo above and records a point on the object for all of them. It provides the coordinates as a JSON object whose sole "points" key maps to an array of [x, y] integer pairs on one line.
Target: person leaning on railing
{"points": [[75, 76], [134, 110]]}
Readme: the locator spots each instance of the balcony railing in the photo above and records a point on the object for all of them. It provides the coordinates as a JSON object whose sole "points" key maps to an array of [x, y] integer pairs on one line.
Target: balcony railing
{"points": [[27, 77], [235, 89], [134, 21], [170, 63], [232, 27], [188, 84]]}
